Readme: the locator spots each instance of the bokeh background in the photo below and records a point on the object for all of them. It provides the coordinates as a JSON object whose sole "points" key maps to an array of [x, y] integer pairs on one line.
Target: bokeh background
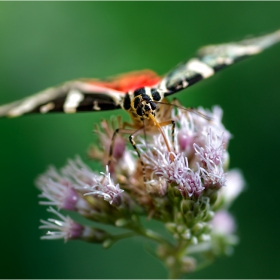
{"points": [[44, 44]]}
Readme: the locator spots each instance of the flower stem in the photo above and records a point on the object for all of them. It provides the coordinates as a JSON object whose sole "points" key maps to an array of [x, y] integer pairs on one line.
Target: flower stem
{"points": [[124, 235], [156, 237], [174, 273]]}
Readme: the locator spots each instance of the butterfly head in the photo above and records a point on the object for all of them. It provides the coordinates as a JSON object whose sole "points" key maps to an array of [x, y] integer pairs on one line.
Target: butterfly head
{"points": [[144, 102]]}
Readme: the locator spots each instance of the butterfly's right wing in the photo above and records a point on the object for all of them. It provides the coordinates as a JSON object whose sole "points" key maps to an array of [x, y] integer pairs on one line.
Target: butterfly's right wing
{"points": [[82, 95], [70, 97]]}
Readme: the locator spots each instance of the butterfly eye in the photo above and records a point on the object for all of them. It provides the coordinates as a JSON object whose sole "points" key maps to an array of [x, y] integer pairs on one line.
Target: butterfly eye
{"points": [[146, 97], [139, 111], [155, 94], [136, 102], [139, 91], [153, 105], [126, 102]]}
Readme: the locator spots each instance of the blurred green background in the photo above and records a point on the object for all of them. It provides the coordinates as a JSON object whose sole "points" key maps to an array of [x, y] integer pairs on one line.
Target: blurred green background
{"points": [[44, 44]]}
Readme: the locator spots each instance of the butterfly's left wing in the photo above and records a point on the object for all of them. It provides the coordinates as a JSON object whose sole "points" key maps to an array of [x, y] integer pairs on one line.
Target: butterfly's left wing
{"points": [[211, 59], [82, 95]]}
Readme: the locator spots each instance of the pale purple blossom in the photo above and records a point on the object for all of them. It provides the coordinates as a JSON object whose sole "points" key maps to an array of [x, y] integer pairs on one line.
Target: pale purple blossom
{"points": [[126, 164], [193, 131], [64, 228], [54, 175], [186, 132], [211, 160], [213, 151], [174, 169], [202, 125], [185, 141], [105, 132], [59, 195], [59, 189], [223, 223], [214, 176], [119, 147], [79, 173], [106, 188], [234, 186]]}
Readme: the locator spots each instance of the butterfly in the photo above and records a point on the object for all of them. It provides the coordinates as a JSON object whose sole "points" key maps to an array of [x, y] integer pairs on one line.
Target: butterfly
{"points": [[137, 92], [140, 93]]}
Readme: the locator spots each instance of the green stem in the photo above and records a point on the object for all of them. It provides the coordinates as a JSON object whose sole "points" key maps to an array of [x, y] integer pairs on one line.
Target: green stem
{"points": [[147, 233], [176, 269], [175, 251], [174, 274], [155, 236], [124, 235]]}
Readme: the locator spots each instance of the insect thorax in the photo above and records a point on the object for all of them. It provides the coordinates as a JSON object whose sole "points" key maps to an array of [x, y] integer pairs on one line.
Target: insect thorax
{"points": [[141, 103]]}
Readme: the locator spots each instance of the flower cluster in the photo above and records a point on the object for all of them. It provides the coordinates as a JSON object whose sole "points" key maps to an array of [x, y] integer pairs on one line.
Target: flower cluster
{"points": [[182, 181]]}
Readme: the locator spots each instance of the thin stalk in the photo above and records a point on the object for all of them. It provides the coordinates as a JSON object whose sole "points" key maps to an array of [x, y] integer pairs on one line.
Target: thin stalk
{"points": [[174, 274], [124, 235]]}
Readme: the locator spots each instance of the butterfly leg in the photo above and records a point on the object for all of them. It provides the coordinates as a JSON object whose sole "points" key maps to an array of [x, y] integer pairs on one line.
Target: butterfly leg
{"points": [[193, 110], [172, 122], [112, 146], [123, 131], [120, 130], [131, 139]]}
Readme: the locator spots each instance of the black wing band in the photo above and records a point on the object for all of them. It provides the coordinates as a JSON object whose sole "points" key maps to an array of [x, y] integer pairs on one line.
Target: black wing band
{"points": [[211, 59], [71, 97]]}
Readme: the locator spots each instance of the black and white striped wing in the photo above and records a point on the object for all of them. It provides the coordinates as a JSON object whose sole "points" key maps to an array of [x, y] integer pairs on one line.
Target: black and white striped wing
{"points": [[70, 97], [211, 59]]}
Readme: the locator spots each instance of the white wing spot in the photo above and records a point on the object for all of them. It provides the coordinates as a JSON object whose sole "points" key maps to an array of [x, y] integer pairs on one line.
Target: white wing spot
{"points": [[73, 99], [199, 67], [47, 107], [184, 84], [95, 106], [148, 91]]}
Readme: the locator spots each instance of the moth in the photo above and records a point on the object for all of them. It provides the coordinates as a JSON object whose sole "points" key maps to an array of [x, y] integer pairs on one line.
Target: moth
{"points": [[140, 93], [137, 92]]}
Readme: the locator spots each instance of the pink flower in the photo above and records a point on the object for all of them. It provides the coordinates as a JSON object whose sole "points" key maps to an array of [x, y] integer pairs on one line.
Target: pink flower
{"points": [[106, 188]]}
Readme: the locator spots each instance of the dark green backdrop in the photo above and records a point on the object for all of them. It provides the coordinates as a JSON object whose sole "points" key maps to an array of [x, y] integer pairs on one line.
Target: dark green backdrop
{"points": [[43, 44]]}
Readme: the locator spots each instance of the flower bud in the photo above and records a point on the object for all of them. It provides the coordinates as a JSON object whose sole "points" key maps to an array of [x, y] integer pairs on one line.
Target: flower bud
{"points": [[121, 222], [180, 228], [188, 264], [107, 243], [209, 216], [186, 235], [189, 218], [198, 229], [171, 227], [188, 204], [194, 240]]}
